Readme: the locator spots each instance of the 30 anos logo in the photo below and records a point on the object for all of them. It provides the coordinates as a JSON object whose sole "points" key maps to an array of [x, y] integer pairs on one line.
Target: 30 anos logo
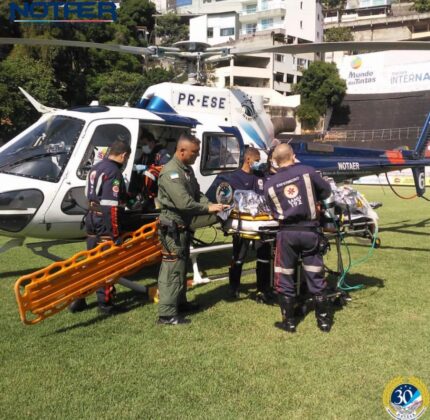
{"points": [[406, 398], [63, 12]]}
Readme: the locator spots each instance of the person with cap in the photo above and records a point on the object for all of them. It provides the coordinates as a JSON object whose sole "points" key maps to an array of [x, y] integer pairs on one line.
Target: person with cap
{"points": [[183, 208], [292, 194]]}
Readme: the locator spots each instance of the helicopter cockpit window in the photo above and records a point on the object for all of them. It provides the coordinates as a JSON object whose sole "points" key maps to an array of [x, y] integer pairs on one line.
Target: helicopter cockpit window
{"points": [[43, 152], [219, 152], [104, 135]]}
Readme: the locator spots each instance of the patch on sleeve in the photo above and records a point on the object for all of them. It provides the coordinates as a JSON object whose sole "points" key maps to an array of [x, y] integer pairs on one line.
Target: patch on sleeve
{"points": [[116, 182], [174, 175]]}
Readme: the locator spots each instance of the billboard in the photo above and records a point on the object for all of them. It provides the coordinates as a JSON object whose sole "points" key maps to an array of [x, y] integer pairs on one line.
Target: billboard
{"points": [[386, 72]]}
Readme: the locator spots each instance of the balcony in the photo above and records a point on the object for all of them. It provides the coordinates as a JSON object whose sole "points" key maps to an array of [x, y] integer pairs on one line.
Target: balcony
{"points": [[264, 11]]}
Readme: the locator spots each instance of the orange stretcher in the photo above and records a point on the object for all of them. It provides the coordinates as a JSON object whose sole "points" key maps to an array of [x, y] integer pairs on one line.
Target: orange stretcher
{"points": [[49, 290]]}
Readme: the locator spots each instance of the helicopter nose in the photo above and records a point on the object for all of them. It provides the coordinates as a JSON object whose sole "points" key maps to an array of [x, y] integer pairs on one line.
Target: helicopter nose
{"points": [[17, 208]]}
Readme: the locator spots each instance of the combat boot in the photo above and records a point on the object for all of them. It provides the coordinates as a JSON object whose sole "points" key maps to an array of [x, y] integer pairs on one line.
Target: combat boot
{"points": [[323, 313], [234, 274], [78, 305], [287, 305]]}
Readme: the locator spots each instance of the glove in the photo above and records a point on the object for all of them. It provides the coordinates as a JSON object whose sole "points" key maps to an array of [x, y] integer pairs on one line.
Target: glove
{"points": [[139, 168]]}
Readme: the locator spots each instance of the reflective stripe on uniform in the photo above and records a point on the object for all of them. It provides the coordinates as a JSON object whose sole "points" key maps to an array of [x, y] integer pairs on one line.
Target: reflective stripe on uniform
{"points": [[288, 271], [310, 196], [276, 202], [108, 202], [312, 268], [263, 261], [99, 183]]}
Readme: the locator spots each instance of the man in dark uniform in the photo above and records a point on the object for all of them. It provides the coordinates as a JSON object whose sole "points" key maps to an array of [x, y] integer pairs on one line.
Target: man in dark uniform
{"points": [[183, 208], [292, 194], [245, 179], [107, 195]]}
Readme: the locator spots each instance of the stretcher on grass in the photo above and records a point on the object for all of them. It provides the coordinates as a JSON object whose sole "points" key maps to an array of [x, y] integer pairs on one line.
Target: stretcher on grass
{"points": [[50, 290]]}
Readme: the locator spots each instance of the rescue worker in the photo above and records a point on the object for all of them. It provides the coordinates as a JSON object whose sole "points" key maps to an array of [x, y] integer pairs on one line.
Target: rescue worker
{"points": [[292, 194], [152, 152], [107, 196], [245, 179], [182, 208]]}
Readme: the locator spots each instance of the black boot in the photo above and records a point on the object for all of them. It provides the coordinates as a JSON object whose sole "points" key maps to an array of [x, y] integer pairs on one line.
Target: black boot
{"points": [[78, 305], [323, 313], [234, 280], [287, 309]]}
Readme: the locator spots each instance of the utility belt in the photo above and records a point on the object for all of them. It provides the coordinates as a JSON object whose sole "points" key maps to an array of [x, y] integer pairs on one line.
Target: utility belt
{"points": [[299, 228], [172, 228]]}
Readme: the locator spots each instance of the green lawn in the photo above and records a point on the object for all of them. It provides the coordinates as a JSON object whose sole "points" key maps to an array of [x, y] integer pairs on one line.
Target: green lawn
{"points": [[230, 362]]}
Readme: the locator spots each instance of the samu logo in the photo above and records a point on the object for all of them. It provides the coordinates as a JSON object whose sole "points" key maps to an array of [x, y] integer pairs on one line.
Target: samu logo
{"points": [[63, 12]]}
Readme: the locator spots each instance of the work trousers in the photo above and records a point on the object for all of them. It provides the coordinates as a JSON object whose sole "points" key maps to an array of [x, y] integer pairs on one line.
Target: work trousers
{"points": [[289, 246], [172, 280], [240, 250], [94, 225]]}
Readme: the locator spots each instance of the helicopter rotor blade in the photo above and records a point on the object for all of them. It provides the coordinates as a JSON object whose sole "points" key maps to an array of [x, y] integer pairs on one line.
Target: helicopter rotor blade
{"points": [[335, 46], [79, 44]]}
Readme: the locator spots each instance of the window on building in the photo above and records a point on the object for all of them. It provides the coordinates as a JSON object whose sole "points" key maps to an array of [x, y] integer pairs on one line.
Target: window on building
{"points": [[210, 32], [301, 24], [301, 5], [318, 34], [280, 57], [290, 78], [251, 28], [251, 8], [279, 77], [227, 31], [266, 23]]}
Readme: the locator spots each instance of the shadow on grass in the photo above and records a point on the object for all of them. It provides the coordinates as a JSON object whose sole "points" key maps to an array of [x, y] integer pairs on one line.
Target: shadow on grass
{"points": [[19, 273], [126, 301], [401, 227]]}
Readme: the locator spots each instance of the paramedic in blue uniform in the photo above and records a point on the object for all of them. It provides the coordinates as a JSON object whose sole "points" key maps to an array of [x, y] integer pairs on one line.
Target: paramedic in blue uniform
{"points": [[245, 179], [292, 194], [107, 196]]}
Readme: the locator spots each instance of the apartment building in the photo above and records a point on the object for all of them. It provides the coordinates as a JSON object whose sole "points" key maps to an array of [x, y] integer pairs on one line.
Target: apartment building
{"points": [[259, 23]]}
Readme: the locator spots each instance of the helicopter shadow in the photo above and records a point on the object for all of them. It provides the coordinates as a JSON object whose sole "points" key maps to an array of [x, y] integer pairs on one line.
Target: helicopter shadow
{"points": [[401, 227]]}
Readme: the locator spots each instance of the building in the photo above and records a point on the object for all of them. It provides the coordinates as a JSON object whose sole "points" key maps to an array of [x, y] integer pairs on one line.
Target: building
{"points": [[257, 23]]}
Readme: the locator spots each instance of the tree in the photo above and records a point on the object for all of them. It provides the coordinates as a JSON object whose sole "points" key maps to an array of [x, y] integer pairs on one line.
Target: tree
{"points": [[35, 77], [119, 87], [320, 87], [136, 13], [422, 6], [308, 115], [338, 34], [170, 29]]}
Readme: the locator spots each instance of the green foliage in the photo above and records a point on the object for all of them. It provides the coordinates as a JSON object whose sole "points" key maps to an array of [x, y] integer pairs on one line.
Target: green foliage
{"points": [[320, 87], [170, 29], [422, 6], [308, 115], [119, 87], [136, 13], [14, 107], [338, 34]]}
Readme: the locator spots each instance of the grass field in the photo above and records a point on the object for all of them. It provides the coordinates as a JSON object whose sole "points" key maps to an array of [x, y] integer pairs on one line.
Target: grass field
{"points": [[230, 362]]}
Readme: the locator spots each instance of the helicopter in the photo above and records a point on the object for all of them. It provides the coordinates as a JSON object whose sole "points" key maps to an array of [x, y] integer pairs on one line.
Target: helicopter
{"points": [[43, 170]]}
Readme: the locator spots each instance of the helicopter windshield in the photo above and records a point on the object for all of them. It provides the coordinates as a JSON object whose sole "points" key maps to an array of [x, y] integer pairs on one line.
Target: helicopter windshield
{"points": [[44, 151]]}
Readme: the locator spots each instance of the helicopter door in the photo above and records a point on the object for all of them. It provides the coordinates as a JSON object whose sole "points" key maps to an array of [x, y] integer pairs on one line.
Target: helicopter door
{"points": [[70, 204]]}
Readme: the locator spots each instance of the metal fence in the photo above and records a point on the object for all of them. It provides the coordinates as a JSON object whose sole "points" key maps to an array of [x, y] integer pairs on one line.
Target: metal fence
{"points": [[394, 135]]}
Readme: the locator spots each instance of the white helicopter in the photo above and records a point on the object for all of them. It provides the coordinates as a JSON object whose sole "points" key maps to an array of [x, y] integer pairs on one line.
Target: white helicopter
{"points": [[43, 169]]}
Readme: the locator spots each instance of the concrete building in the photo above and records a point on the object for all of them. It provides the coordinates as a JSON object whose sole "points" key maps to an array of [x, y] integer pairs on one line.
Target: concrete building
{"points": [[258, 23]]}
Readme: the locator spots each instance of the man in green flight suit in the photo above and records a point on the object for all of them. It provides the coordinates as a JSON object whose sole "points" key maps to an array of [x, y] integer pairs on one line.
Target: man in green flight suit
{"points": [[183, 208]]}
